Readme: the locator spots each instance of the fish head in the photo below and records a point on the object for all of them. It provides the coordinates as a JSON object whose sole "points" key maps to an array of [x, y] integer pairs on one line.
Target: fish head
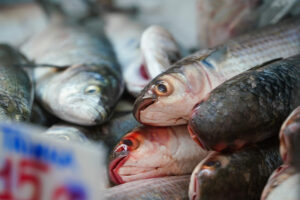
{"points": [[208, 175], [146, 152], [289, 138], [87, 94], [170, 97]]}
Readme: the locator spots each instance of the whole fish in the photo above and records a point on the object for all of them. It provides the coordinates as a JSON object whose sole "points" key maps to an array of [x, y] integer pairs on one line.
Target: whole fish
{"points": [[18, 22], [248, 108], [148, 152], [282, 184], [290, 139], [83, 81], [170, 97], [16, 92], [166, 188], [238, 175]]}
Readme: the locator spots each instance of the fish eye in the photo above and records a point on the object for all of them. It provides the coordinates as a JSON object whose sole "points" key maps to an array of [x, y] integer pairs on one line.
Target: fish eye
{"points": [[92, 89], [163, 88], [131, 143]]}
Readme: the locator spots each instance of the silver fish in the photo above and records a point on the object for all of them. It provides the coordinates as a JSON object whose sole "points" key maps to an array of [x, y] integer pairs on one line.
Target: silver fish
{"points": [[83, 83], [170, 97]]}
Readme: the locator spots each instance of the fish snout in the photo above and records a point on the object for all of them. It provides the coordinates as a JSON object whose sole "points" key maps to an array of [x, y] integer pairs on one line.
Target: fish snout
{"points": [[195, 137], [141, 103]]}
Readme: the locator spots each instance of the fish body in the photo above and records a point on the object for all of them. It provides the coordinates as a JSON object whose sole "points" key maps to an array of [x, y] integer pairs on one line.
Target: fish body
{"points": [[282, 184], [83, 81], [16, 92], [148, 152], [18, 22], [248, 108], [237, 175], [165, 188], [170, 97], [290, 139]]}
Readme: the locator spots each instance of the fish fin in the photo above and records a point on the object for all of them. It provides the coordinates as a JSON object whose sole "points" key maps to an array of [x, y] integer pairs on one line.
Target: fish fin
{"points": [[265, 63]]}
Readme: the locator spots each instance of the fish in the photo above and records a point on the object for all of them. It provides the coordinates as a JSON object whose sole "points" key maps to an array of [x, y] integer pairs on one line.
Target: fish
{"points": [[18, 22], [165, 188], [77, 76], [240, 174], [282, 184], [40, 116], [148, 152], [143, 53], [248, 108], [220, 20], [16, 91], [290, 138], [170, 97]]}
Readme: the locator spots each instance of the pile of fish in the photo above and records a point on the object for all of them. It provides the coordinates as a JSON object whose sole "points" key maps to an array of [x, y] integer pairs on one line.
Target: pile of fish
{"points": [[217, 123]]}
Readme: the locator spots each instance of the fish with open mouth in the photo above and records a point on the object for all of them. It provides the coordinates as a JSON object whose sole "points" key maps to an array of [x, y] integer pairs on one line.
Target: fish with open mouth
{"points": [[248, 108], [290, 139], [79, 79], [16, 90], [282, 184], [237, 175], [163, 188], [170, 97], [148, 152]]}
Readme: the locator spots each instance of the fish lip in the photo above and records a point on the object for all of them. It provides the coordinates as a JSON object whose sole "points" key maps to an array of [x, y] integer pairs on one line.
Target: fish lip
{"points": [[196, 138], [195, 189], [142, 103], [113, 169]]}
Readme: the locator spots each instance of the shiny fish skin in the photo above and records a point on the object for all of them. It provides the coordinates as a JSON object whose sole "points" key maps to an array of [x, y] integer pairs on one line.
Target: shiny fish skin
{"points": [[238, 175], [190, 80], [166, 188], [83, 83], [16, 92], [148, 152], [18, 22], [249, 107], [282, 184], [290, 139]]}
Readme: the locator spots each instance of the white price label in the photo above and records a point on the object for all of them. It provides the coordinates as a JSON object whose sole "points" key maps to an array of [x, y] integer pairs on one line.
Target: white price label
{"points": [[34, 166]]}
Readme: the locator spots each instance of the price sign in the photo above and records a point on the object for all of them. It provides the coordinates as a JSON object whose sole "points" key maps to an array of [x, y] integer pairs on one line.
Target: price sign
{"points": [[36, 167]]}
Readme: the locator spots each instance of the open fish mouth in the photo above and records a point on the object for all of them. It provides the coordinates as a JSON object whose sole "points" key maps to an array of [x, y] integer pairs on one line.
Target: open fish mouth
{"points": [[114, 167], [141, 104]]}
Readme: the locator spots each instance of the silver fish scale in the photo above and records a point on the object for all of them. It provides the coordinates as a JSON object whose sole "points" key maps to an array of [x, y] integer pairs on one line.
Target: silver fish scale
{"points": [[240, 54]]}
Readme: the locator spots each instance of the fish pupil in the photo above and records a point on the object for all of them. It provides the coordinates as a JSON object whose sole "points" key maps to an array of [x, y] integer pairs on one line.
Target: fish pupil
{"points": [[213, 163], [127, 142], [162, 88]]}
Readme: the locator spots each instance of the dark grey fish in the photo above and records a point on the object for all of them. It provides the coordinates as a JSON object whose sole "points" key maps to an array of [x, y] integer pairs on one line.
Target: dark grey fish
{"points": [[290, 139], [40, 116], [249, 107], [238, 175], [166, 188], [83, 83], [16, 92]]}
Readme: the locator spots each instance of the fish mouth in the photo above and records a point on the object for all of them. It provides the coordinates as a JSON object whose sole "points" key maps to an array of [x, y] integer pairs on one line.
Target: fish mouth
{"points": [[284, 145], [196, 138], [114, 167], [141, 104], [194, 193]]}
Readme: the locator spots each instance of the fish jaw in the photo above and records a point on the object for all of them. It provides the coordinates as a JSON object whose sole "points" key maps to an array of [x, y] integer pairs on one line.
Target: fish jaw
{"points": [[114, 167]]}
